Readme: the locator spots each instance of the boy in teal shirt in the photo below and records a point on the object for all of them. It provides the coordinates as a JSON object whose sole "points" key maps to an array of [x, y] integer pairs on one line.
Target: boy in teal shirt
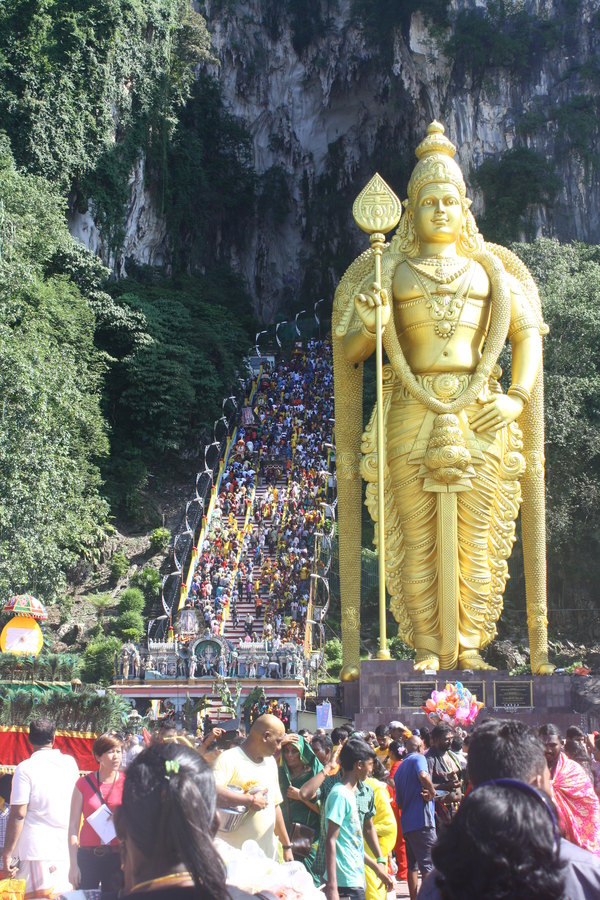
{"points": [[344, 848]]}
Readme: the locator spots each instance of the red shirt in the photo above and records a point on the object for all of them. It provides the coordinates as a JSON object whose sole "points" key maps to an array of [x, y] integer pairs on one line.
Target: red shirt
{"points": [[112, 793]]}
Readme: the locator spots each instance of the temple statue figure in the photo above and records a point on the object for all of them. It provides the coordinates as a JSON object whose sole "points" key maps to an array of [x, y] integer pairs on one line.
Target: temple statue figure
{"points": [[460, 454]]}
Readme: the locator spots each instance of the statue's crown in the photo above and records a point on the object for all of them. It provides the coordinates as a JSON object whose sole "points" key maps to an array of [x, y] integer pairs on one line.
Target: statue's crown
{"points": [[436, 163], [435, 142]]}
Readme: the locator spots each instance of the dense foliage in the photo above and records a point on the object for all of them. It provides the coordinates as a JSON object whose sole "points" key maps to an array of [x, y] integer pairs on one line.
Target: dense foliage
{"points": [[99, 659], [85, 710], [500, 34], [84, 86], [49, 667], [569, 280], [53, 433], [210, 181], [161, 394], [514, 186]]}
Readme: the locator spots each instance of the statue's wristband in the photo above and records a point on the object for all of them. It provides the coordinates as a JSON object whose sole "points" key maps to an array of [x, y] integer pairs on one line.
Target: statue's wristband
{"points": [[381, 859], [370, 334], [517, 390]]}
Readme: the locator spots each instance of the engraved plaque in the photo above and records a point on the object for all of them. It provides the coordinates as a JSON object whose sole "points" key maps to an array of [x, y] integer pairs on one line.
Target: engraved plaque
{"points": [[518, 694], [414, 694]]}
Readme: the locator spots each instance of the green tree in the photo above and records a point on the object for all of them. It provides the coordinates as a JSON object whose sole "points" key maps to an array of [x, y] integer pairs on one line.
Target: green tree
{"points": [[149, 582], [52, 432], [130, 625], [70, 71], [101, 603], [568, 277], [159, 540], [161, 394], [333, 657], [119, 565], [131, 599], [98, 660]]}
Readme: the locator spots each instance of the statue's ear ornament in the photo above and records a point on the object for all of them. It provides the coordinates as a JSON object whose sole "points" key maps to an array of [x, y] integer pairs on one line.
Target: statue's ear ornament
{"points": [[467, 203]]}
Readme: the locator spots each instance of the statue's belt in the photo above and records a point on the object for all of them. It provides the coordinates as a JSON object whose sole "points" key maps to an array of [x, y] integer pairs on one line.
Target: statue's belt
{"points": [[444, 386]]}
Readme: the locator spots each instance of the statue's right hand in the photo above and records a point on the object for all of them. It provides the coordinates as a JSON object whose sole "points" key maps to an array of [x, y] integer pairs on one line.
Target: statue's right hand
{"points": [[366, 305]]}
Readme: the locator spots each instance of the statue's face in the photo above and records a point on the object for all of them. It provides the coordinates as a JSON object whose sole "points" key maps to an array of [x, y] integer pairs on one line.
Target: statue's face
{"points": [[438, 214]]}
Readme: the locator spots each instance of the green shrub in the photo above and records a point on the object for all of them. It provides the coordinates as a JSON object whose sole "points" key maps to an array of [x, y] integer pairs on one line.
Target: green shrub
{"points": [[130, 625], [399, 650], [95, 632], [101, 603], [119, 565], [66, 608], [131, 634], [159, 539], [333, 657], [98, 660], [149, 582], [131, 600]]}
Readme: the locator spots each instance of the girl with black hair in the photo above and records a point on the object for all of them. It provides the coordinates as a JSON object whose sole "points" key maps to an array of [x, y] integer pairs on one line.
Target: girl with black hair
{"points": [[166, 824], [503, 843]]}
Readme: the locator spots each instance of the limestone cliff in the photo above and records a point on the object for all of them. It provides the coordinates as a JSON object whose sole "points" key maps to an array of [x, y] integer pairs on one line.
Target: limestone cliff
{"points": [[328, 107]]}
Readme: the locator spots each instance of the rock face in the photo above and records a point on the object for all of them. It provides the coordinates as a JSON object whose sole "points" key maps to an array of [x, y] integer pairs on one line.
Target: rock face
{"points": [[327, 116], [146, 240]]}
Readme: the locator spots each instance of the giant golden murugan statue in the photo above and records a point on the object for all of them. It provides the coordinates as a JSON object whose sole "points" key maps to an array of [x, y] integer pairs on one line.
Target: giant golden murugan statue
{"points": [[459, 454]]}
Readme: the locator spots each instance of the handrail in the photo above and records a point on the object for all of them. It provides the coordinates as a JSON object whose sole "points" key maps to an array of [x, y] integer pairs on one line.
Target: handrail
{"points": [[187, 581]]}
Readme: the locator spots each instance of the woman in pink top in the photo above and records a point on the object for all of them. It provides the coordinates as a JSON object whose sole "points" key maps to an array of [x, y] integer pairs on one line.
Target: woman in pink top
{"points": [[94, 851]]}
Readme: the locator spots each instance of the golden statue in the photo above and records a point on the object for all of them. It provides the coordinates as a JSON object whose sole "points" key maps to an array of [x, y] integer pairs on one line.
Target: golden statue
{"points": [[458, 455]]}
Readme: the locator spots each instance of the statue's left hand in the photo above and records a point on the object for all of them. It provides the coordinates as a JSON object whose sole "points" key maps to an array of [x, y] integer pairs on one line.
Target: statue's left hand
{"points": [[502, 410]]}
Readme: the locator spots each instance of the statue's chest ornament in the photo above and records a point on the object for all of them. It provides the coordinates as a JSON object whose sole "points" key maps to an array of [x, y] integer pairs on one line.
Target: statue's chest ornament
{"points": [[444, 308]]}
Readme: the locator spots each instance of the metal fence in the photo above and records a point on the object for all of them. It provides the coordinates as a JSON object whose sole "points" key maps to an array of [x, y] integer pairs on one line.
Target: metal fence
{"points": [[187, 534]]}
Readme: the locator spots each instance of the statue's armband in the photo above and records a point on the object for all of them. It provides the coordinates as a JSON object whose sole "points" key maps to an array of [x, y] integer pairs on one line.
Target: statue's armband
{"points": [[522, 319]]}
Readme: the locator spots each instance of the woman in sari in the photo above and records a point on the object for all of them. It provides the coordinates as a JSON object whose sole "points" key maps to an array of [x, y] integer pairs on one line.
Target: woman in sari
{"points": [[573, 793], [298, 765]]}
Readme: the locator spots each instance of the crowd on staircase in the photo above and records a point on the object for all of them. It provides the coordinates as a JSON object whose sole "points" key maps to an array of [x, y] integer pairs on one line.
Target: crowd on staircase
{"points": [[252, 579]]}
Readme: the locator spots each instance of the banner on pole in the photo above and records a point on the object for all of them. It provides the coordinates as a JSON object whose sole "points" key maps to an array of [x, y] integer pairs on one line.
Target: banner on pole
{"points": [[324, 716]]}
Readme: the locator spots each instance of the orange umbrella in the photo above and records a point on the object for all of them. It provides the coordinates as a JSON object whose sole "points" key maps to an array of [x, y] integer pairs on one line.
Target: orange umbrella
{"points": [[26, 605]]}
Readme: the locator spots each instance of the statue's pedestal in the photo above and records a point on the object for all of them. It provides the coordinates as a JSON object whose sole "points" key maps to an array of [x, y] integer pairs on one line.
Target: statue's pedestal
{"points": [[391, 689]]}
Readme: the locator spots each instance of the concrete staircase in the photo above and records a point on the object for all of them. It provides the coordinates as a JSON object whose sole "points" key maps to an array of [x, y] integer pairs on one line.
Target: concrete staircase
{"points": [[244, 604]]}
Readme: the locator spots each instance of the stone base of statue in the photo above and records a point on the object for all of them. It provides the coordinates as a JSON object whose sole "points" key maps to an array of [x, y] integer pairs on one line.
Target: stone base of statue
{"points": [[391, 689]]}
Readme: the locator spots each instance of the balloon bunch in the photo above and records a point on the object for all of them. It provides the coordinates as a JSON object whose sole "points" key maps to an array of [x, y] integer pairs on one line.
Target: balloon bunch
{"points": [[455, 705]]}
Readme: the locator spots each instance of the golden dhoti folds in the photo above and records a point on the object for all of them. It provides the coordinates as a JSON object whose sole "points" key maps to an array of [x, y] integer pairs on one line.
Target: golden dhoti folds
{"points": [[448, 540]]}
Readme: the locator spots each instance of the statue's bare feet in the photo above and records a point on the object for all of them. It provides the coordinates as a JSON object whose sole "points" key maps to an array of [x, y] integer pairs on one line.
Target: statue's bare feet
{"points": [[542, 666], [426, 660], [472, 660]]}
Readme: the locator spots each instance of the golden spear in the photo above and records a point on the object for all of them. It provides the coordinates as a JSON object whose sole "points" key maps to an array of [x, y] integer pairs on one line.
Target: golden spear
{"points": [[376, 211]]}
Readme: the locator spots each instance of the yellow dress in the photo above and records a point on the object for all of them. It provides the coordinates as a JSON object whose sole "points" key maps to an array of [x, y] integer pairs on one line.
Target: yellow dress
{"points": [[387, 831]]}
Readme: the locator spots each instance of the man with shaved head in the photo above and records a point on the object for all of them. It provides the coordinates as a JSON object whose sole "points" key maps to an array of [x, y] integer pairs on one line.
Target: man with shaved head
{"points": [[252, 770], [414, 797]]}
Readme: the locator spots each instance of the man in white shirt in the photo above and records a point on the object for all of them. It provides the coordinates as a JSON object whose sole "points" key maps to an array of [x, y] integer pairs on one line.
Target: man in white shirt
{"points": [[40, 803], [252, 768]]}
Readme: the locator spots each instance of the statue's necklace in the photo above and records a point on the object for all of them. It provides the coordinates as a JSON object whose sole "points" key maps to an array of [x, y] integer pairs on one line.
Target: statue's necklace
{"points": [[445, 269], [445, 310]]}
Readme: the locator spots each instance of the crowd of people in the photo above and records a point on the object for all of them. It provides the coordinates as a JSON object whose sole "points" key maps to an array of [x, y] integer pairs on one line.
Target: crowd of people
{"points": [[502, 812], [213, 586], [260, 550]]}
